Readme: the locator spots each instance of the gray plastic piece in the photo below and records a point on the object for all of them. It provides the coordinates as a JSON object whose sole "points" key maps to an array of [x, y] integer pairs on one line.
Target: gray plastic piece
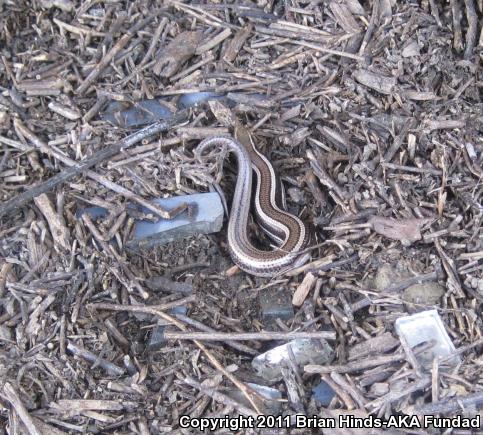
{"points": [[207, 218], [268, 365]]}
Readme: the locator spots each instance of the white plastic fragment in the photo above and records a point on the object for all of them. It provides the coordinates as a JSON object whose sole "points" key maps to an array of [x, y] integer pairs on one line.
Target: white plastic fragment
{"points": [[427, 326], [270, 406], [268, 365]]}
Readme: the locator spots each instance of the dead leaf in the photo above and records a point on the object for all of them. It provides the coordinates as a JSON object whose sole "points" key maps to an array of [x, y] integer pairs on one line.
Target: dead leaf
{"points": [[403, 229], [176, 53]]}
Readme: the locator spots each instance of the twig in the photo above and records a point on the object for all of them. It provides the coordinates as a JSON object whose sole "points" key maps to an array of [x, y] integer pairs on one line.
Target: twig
{"points": [[472, 28], [450, 405], [58, 229], [242, 336], [323, 264], [150, 309], [303, 289], [294, 390], [5, 157], [418, 279], [110, 55], [453, 282], [330, 51], [12, 396], [114, 331], [85, 354], [140, 309], [4, 271], [339, 390], [82, 167], [152, 46], [461, 350], [456, 13], [165, 284], [398, 141], [410, 356], [220, 397], [203, 327], [366, 363], [412, 169], [435, 12], [324, 177], [370, 28], [390, 397]]}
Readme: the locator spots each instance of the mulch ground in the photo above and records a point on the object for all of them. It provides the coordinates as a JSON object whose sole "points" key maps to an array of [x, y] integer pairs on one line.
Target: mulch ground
{"points": [[371, 113]]}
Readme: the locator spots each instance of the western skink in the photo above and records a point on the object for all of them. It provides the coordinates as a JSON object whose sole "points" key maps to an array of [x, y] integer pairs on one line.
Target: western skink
{"points": [[290, 233]]}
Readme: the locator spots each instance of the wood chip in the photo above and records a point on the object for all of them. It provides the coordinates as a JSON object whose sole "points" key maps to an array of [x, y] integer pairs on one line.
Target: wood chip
{"points": [[303, 289], [59, 231], [378, 82]]}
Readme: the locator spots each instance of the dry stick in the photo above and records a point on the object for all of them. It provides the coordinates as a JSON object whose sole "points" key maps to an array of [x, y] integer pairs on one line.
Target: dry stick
{"points": [[474, 169], [412, 169], [410, 357], [202, 15], [157, 312], [203, 327], [435, 381], [355, 393], [317, 266], [112, 328], [453, 404], [472, 28], [24, 131], [110, 55], [329, 50], [151, 309], [33, 269], [456, 13], [12, 396], [293, 391], [418, 279], [398, 141], [461, 350], [165, 284], [6, 155], [340, 391], [435, 12], [366, 363], [324, 177], [370, 28], [81, 167], [94, 359], [390, 397], [220, 397], [94, 110], [4, 271], [242, 336], [157, 35]]}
